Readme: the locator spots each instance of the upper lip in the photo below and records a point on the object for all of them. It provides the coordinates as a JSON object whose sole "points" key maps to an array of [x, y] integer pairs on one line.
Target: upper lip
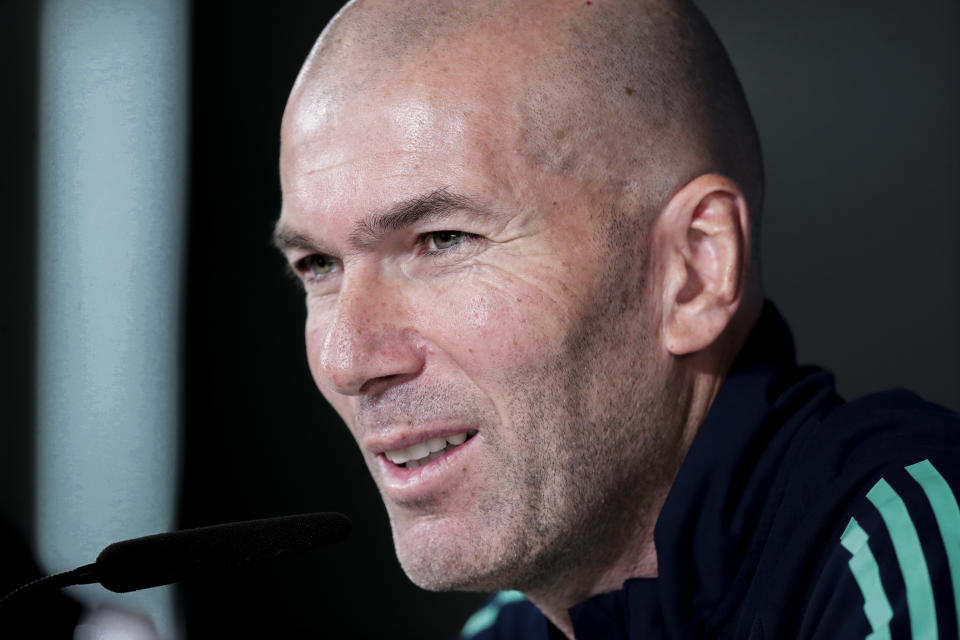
{"points": [[407, 437]]}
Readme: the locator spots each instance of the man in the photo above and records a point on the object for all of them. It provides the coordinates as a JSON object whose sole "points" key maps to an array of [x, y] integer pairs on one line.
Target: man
{"points": [[527, 233]]}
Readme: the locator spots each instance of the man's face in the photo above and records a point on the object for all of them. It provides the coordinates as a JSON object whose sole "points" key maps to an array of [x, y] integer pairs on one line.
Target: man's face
{"points": [[462, 301]]}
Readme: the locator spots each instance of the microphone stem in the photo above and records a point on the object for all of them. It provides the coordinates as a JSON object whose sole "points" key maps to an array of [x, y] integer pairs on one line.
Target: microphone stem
{"points": [[81, 575]]}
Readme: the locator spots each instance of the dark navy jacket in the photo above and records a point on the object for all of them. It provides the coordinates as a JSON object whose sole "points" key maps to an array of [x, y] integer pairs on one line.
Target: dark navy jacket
{"points": [[794, 515]]}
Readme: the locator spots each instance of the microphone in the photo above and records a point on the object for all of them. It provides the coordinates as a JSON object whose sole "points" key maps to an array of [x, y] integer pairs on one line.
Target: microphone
{"points": [[163, 558]]}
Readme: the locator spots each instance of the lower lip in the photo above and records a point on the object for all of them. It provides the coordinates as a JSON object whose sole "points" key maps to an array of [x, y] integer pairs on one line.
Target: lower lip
{"points": [[407, 484]]}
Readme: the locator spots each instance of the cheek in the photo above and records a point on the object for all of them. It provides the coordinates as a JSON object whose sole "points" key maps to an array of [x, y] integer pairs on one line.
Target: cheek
{"points": [[505, 326], [478, 313], [491, 322]]}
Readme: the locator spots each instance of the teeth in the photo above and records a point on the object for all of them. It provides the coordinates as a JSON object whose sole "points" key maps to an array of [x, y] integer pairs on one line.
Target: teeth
{"points": [[437, 444], [398, 457], [418, 451], [419, 454]]}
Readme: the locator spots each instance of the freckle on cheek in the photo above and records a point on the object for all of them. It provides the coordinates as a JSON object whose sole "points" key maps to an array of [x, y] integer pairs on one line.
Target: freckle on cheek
{"points": [[479, 313]]}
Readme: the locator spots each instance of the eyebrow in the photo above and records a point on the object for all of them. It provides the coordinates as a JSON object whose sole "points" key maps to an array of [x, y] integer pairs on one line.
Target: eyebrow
{"points": [[285, 238], [433, 205]]}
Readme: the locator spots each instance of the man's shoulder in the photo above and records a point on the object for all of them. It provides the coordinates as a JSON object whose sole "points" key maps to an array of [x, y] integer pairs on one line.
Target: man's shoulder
{"points": [[890, 562], [868, 534], [858, 440], [894, 410]]}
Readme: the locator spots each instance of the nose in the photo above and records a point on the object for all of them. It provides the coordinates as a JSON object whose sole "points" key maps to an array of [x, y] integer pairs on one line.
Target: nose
{"points": [[367, 343]]}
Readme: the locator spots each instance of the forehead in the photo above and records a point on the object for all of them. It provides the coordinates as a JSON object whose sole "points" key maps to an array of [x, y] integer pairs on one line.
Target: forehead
{"points": [[414, 118], [343, 158]]}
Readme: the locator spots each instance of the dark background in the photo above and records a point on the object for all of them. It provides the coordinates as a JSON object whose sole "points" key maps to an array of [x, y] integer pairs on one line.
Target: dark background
{"points": [[857, 107]]}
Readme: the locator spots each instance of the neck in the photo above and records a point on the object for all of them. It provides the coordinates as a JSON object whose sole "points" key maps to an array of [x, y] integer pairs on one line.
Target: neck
{"points": [[635, 557]]}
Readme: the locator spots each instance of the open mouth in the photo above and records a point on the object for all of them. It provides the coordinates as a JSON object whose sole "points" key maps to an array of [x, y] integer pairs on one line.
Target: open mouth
{"points": [[421, 453]]}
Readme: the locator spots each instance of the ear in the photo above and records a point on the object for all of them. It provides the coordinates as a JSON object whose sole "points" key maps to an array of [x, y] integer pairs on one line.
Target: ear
{"points": [[702, 236]]}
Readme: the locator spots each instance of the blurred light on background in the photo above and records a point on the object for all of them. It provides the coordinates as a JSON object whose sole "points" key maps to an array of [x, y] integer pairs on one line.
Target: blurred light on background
{"points": [[111, 197]]}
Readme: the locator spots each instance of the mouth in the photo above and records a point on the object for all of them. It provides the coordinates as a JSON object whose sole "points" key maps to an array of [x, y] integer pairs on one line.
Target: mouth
{"points": [[417, 455]]}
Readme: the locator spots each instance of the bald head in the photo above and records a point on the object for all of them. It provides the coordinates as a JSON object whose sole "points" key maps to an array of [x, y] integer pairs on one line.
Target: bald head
{"points": [[635, 97]]}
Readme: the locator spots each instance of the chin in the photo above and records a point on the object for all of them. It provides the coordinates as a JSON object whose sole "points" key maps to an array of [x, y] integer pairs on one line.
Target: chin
{"points": [[451, 560], [434, 576], [432, 565]]}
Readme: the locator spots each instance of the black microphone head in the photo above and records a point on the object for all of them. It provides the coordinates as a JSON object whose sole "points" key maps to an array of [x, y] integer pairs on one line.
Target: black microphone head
{"points": [[163, 558]]}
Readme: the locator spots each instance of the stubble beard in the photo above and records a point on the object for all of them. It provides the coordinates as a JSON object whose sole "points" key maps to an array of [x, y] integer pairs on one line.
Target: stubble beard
{"points": [[593, 451]]}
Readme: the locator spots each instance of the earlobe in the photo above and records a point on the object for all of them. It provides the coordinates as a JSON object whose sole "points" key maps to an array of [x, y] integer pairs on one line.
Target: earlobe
{"points": [[704, 235]]}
